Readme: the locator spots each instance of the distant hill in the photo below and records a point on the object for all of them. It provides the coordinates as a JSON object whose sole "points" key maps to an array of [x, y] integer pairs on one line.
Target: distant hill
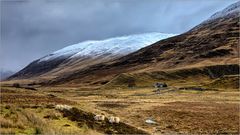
{"points": [[5, 74]]}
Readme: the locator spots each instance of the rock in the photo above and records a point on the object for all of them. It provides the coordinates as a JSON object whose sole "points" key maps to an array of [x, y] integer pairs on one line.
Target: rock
{"points": [[149, 121]]}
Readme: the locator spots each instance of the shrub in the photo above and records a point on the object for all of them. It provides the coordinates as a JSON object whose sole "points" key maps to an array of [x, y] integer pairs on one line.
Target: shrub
{"points": [[16, 85], [53, 115], [7, 107], [131, 82]]}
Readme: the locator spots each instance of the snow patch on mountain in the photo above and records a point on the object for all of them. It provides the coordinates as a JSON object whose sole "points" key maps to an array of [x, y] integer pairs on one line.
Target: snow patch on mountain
{"points": [[234, 8], [115, 46]]}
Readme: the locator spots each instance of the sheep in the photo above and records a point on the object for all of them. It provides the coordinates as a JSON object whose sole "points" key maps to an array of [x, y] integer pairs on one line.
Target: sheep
{"points": [[111, 119], [114, 119], [99, 117], [62, 107]]}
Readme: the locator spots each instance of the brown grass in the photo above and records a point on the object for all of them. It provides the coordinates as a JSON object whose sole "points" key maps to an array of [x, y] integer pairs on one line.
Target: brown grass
{"points": [[15, 120], [52, 115], [5, 123], [23, 98], [32, 112], [175, 111], [113, 105], [197, 117], [38, 123], [86, 119]]}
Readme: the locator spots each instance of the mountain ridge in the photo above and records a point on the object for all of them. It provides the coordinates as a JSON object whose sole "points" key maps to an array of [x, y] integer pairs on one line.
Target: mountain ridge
{"points": [[212, 42], [88, 53]]}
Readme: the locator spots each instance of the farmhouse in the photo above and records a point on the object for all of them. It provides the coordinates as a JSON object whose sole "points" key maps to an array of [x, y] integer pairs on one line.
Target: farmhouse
{"points": [[160, 85]]}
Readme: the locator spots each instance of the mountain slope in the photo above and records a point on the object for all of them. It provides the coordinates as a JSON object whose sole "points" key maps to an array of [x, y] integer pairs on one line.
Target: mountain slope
{"points": [[213, 42], [84, 54], [5, 74]]}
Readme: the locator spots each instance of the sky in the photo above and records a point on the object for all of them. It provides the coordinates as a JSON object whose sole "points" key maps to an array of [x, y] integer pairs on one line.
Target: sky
{"points": [[31, 29]]}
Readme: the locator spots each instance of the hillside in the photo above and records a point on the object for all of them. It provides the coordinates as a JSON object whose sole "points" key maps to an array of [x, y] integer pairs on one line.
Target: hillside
{"points": [[153, 84], [213, 42], [84, 54]]}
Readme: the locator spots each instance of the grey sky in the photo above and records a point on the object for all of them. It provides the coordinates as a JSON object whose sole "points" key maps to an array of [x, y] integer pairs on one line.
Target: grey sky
{"points": [[31, 29]]}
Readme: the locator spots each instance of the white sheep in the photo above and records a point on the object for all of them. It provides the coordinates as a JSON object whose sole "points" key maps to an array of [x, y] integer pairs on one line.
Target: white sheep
{"points": [[114, 119], [62, 107], [99, 117], [111, 119]]}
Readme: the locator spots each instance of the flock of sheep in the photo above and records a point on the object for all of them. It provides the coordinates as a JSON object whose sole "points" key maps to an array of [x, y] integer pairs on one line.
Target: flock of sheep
{"points": [[62, 107], [111, 119]]}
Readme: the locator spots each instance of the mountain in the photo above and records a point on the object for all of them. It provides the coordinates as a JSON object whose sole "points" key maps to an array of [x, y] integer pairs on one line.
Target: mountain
{"points": [[209, 49], [5, 74], [230, 10], [113, 46], [84, 54]]}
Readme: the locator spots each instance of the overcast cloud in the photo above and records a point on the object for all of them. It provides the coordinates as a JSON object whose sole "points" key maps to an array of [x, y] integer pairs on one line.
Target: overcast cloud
{"points": [[31, 29]]}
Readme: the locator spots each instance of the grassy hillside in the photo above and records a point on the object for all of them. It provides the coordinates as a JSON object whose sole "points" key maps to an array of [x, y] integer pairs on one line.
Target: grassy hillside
{"points": [[230, 82], [197, 75]]}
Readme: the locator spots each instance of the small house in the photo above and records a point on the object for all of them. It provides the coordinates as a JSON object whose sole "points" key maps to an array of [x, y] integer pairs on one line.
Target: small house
{"points": [[160, 85]]}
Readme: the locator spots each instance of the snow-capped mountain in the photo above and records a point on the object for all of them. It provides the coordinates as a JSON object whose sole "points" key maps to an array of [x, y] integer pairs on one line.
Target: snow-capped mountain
{"points": [[232, 11], [114, 46], [234, 8], [212, 43], [84, 54]]}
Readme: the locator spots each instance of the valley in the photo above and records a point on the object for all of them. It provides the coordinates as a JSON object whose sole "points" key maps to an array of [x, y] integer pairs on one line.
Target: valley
{"points": [[197, 73], [177, 109]]}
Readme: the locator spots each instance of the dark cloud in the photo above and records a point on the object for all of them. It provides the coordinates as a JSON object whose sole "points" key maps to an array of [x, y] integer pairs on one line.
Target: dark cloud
{"points": [[33, 28]]}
